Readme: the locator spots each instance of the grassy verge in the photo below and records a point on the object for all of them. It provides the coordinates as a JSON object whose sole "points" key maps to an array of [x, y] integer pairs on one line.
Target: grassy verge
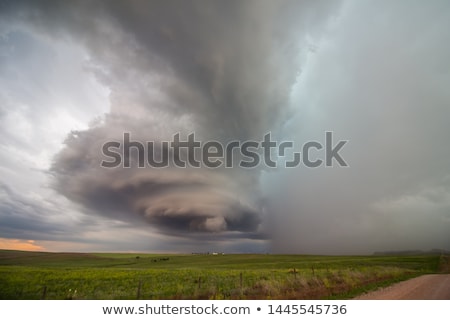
{"points": [[444, 264]]}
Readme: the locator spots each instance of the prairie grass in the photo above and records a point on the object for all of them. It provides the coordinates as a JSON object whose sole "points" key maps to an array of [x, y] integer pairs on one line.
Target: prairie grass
{"points": [[26, 275]]}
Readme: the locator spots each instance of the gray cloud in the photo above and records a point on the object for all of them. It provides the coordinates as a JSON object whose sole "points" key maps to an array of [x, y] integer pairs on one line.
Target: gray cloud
{"points": [[223, 70], [379, 79], [27, 218]]}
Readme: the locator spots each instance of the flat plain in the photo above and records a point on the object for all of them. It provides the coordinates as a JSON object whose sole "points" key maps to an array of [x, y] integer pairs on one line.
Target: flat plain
{"points": [[44, 275]]}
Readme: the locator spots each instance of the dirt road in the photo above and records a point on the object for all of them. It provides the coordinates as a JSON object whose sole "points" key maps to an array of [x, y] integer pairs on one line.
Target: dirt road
{"points": [[427, 287]]}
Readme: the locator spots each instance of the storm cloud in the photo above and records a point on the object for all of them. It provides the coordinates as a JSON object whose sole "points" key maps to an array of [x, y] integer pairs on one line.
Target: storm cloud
{"points": [[374, 74], [221, 70]]}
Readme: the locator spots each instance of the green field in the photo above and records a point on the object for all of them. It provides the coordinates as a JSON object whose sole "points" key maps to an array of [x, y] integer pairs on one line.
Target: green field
{"points": [[39, 275]]}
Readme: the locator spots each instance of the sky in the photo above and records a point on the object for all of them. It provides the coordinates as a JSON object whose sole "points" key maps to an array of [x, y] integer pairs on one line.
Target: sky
{"points": [[76, 75]]}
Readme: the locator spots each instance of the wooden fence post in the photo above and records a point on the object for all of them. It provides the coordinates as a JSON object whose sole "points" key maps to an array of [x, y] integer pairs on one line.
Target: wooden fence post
{"points": [[44, 293], [139, 290]]}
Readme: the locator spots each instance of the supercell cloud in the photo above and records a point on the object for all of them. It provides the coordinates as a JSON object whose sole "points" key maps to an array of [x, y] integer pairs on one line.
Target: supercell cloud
{"points": [[221, 70], [78, 74]]}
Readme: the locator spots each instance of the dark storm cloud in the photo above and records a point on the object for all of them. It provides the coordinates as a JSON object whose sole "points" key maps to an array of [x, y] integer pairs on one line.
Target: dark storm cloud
{"points": [[230, 64], [174, 200], [223, 69]]}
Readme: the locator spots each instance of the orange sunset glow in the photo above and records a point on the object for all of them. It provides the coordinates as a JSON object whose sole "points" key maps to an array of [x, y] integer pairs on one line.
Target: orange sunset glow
{"points": [[19, 244]]}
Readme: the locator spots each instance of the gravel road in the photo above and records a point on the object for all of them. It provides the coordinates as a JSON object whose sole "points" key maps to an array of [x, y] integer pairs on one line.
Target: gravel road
{"points": [[427, 287]]}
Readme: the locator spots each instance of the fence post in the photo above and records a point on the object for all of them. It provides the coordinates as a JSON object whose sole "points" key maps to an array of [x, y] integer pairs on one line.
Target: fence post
{"points": [[44, 293], [139, 290]]}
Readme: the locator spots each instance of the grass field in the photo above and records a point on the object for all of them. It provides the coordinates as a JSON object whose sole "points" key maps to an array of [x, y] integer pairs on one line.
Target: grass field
{"points": [[39, 275]]}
